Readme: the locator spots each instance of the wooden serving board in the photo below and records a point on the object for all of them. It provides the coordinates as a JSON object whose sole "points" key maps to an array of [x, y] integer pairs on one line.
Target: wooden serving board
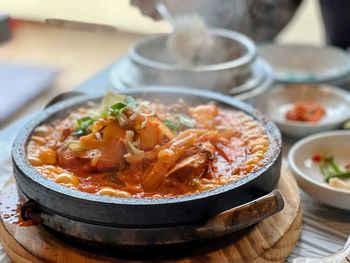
{"points": [[271, 240]]}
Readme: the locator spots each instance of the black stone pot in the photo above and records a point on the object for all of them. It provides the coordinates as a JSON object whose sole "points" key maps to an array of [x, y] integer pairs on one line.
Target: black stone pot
{"points": [[76, 213]]}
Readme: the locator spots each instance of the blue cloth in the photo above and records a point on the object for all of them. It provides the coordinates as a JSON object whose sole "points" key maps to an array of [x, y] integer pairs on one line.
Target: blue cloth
{"points": [[21, 83]]}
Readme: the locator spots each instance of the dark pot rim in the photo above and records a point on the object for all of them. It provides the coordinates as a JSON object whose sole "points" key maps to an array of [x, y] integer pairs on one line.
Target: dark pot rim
{"points": [[20, 161]]}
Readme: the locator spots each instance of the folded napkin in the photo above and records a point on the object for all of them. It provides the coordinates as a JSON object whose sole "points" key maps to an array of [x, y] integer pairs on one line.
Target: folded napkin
{"points": [[19, 84]]}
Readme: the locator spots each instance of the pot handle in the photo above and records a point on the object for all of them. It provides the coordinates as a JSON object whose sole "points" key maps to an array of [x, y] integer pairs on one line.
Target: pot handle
{"points": [[232, 220], [242, 216], [29, 211], [63, 96]]}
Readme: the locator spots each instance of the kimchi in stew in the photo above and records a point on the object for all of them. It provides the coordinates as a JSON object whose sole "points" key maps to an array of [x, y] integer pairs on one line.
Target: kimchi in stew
{"points": [[136, 148]]}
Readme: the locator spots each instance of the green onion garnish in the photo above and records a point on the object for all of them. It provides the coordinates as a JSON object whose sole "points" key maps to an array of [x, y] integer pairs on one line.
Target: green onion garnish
{"points": [[180, 120], [131, 102], [83, 125], [186, 121], [117, 109], [329, 168], [118, 106], [171, 125]]}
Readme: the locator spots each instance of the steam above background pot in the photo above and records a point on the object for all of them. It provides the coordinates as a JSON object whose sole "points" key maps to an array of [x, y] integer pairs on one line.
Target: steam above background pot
{"points": [[236, 71]]}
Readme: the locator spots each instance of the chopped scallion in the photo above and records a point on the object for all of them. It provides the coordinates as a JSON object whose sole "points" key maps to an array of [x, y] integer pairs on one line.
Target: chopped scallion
{"points": [[329, 168], [83, 125], [131, 102], [118, 106], [171, 125], [187, 121]]}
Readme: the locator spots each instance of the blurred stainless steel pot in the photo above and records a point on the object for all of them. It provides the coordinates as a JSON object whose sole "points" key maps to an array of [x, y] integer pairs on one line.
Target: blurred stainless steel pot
{"points": [[152, 64]]}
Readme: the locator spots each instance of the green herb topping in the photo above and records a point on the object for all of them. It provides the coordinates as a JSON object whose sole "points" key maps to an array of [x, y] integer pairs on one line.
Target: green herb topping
{"points": [[180, 120], [171, 125], [83, 126], [329, 168], [118, 108]]}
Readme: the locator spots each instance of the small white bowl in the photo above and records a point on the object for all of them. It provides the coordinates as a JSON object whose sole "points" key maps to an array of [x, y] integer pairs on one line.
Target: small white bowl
{"points": [[307, 172], [278, 100]]}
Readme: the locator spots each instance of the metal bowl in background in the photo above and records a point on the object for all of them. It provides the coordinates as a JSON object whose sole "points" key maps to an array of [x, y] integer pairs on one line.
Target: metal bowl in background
{"points": [[150, 63], [260, 80]]}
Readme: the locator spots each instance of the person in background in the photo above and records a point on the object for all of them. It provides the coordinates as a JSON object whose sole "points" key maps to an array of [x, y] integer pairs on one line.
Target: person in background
{"points": [[336, 17], [261, 20]]}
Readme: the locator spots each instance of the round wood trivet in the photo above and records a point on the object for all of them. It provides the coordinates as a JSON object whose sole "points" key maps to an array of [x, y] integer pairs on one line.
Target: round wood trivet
{"points": [[271, 240]]}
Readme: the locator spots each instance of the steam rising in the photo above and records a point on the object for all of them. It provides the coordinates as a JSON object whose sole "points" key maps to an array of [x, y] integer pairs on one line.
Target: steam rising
{"points": [[191, 44]]}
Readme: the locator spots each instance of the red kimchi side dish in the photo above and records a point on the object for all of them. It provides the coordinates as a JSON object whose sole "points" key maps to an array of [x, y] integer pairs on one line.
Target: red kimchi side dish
{"points": [[136, 148], [306, 111]]}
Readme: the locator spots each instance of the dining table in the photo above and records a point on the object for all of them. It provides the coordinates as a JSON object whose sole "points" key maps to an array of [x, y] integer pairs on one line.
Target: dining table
{"points": [[325, 230]]}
